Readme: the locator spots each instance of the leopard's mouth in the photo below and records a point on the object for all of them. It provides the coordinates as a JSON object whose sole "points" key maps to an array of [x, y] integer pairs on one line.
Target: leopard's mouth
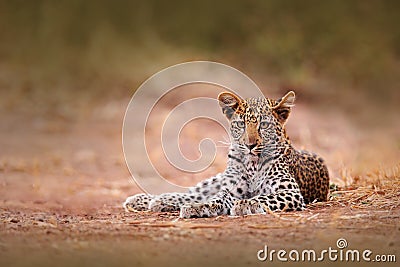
{"points": [[255, 151], [253, 155]]}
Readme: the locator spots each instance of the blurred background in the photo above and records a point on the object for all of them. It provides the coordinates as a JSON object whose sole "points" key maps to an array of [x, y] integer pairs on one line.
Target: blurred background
{"points": [[66, 55], [69, 68]]}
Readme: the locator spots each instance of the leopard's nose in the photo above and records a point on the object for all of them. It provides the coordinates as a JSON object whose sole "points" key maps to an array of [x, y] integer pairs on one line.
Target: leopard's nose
{"points": [[250, 147]]}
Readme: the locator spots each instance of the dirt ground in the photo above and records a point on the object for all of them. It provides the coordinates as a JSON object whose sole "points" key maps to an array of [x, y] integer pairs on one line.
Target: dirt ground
{"points": [[62, 182]]}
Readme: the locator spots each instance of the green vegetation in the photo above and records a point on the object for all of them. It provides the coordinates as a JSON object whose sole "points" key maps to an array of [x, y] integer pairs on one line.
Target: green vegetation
{"points": [[104, 47]]}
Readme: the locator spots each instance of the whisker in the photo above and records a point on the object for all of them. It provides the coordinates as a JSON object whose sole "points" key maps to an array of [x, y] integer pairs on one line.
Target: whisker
{"points": [[224, 143], [227, 139]]}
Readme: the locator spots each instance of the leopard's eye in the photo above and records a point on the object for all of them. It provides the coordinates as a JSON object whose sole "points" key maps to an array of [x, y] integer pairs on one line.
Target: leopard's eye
{"points": [[240, 124], [263, 125]]}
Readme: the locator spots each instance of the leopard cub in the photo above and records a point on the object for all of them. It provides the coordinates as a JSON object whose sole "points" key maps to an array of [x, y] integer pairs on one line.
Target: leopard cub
{"points": [[264, 171]]}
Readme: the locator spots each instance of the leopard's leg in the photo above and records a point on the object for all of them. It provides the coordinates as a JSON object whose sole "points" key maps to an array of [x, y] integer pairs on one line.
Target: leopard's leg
{"points": [[173, 201], [220, 204], [284, 200], [138, 202], [200, 193], [159, 203], [210, 187]]}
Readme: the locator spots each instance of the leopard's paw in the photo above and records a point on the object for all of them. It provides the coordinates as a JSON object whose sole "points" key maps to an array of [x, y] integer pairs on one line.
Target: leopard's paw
{"points": [[160, 205], [200, 210], [139, 202], [247, 207]]}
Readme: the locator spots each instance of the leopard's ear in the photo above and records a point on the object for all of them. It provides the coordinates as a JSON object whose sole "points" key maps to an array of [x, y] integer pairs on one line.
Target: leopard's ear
{"points": [[229, 103], [283, 107]]}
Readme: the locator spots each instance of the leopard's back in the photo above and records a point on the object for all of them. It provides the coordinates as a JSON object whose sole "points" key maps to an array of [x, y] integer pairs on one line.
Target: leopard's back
{"points": [[311, 174]]}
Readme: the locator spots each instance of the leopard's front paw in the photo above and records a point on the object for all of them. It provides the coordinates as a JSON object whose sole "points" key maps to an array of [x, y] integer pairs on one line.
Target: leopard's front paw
{"points": [[200, 210], [246, 207], [137, 202], [159, 205]]}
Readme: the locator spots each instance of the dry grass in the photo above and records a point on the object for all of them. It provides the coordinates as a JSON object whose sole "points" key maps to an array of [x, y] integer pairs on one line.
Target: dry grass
{"points": [[378, 190]]}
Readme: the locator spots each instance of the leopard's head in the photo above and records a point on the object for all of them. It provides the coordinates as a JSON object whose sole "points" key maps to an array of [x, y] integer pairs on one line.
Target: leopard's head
{"points": [[257, 125]]}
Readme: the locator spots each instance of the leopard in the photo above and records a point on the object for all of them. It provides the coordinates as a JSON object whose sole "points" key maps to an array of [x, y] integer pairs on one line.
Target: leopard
{"points": [[265, 172]]}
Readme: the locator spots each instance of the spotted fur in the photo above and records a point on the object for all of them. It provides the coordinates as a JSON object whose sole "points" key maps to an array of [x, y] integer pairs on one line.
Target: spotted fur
{"points": [[264, 171]]}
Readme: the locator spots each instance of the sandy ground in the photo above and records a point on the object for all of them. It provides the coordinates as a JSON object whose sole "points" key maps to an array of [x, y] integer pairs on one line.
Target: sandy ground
{"points": [[62, 183]]}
